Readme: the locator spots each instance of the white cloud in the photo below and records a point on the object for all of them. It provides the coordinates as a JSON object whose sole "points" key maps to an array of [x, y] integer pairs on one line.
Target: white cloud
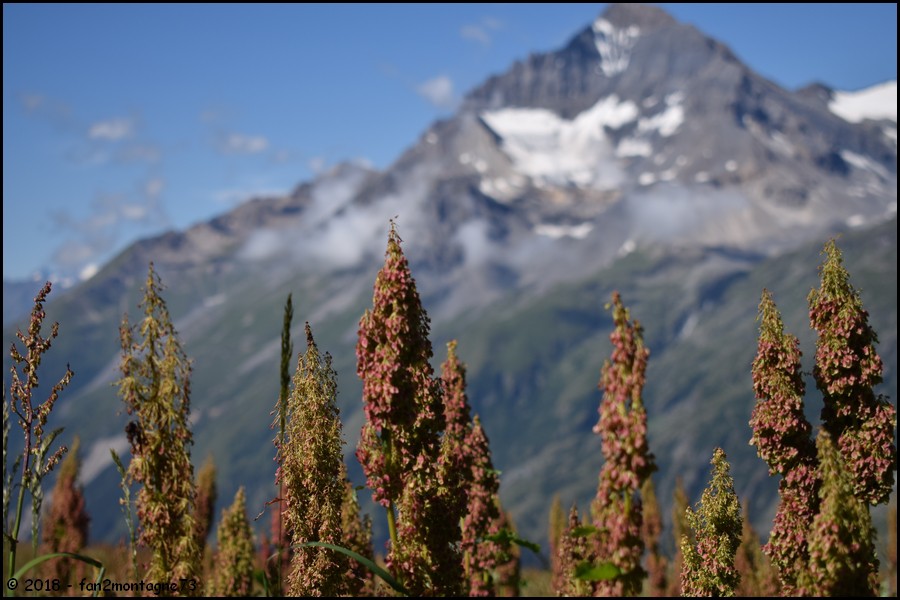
{"points": [[31, 101], [56, 112], [111, 129], [283, 156], [481, 32], [90, 142], [71, 255], [317, 164], [475, 33], [88, 155], [88, 271], [236, 143], [211, 115], [134, 212], [234, 196], [262, 244], [330, 237], [139, 152], [438, 91], [153, 187], [88, 240], [84, 239]]}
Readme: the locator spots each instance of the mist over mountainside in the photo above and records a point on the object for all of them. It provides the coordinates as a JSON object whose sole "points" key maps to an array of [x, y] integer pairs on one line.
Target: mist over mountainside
{"points": [[643, 156]]}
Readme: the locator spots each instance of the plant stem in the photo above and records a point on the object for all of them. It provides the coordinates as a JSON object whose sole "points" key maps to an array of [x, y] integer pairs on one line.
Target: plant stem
{"points": [[392, 521], [392, 525], [14, 538]]}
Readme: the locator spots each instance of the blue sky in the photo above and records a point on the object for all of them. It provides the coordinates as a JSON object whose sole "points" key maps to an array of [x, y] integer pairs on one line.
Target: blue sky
{"points": [[122, 121]]}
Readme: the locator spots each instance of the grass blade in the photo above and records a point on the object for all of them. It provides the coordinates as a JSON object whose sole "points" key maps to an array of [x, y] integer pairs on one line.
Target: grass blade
{"points": [[387, 577]]}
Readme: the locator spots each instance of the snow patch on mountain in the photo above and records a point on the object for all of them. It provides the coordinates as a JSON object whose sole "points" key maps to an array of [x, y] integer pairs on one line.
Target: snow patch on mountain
{"points": [[856, 221], [614, 45], [646, 178], [668, 121], [502, 189], [211, 301], [557, 151], [99, 458], [627, 247], [479, 164], [891, 134], [864, 163], [876, 102], [633, 147], [559, 231]]}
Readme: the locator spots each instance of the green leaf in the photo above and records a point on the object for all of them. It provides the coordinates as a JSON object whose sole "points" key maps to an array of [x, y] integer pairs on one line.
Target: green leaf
{"points": [[588, 571], [119, 466], [263, 580], [45, 445], [388, 578], [45, 557], [583, 531], [505, 536]]}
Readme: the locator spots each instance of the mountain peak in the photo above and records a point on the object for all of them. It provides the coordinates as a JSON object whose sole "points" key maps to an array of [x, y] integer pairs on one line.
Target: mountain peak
{"points": [[616, 31], [642, 16], [629, 50]]}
